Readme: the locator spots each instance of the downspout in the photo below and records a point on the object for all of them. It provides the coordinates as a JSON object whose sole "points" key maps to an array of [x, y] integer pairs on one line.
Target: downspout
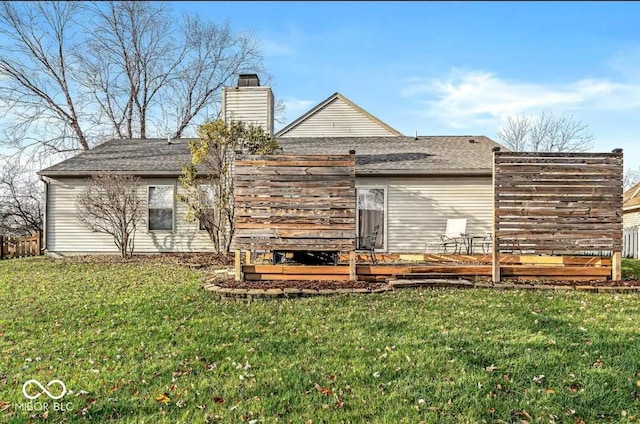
{"points": [[46, 214]]}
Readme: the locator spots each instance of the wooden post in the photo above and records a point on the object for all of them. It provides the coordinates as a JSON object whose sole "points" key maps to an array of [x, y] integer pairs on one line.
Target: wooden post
{"points": [[247, 257], [495, 257], [353, 276], [1, 246], [616, 266], [238, 265]]}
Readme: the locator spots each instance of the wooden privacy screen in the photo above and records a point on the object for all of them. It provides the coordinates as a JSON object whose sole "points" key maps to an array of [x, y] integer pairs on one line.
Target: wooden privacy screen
{"points": [[295, 202], [562, 203]]}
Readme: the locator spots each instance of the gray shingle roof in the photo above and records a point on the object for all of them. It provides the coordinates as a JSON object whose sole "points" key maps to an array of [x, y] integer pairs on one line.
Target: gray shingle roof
{"points": [[374, 155], [401, 155]]}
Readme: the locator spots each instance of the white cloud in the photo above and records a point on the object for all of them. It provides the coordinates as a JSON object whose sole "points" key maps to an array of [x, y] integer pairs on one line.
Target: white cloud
{"points": [[470, 99]]}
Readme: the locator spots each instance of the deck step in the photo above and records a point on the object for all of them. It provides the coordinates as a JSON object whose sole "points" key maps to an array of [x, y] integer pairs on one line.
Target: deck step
{"points": [[433, 282]]}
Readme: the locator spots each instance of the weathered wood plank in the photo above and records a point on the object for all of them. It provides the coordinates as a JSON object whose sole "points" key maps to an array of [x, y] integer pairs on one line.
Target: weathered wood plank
{"points": [[312, 183], [325, 233], [537, 160], [270, 221], [591, 191], [265, 212], [552, 271], [294, 178], [295, 171], [503, 154], [327, 191], [287, 225], [296, 277], [297, 269], [293, 158], [307, 162]]}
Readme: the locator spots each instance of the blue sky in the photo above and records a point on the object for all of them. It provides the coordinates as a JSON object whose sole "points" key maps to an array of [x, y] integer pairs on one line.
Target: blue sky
{"points": [[443, 68]]}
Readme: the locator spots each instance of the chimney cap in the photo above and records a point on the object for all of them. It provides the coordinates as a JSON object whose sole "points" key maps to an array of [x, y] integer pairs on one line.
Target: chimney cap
{"points": [[248, 80]]}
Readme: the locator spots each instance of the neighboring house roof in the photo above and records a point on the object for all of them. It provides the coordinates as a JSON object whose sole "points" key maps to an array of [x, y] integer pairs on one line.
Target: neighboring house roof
{"points": [[631, 198], [449, 155], [337, 116]]}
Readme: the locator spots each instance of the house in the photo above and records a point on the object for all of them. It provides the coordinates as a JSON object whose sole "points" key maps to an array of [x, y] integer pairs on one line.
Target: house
{"points": [[631, 222], [409, 186], [631, 207]]}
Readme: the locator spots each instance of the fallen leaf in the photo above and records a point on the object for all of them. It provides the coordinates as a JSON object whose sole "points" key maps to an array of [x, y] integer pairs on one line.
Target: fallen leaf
{"points": [[45, 415], [490, 368], [218, 399], [4, 406], [324, 390], [163, 398], [573, 388], [491, 410], [549, 390], [598, 363]]}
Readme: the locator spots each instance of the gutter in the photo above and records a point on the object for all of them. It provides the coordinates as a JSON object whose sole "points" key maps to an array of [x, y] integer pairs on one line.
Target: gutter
{"points": [[46, 214]]}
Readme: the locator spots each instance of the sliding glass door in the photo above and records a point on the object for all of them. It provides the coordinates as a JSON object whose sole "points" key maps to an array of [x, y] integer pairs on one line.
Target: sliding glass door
{"points": [[371, 214]]}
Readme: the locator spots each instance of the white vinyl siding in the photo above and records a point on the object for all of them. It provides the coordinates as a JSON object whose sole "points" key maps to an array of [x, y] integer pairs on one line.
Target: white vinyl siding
{"points": [[66, 235], [338, 119], [418, 208], [631, 219], [252, 105]]}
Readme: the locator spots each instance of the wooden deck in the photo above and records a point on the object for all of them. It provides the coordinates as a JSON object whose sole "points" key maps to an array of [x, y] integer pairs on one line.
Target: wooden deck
{"points": [[513, 267]]}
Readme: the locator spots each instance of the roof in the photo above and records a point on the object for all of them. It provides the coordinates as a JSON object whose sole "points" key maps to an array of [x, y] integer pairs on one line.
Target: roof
{"points": [[452, 155], [461, 155], [631, 198], [320, 106], [140, 156]]}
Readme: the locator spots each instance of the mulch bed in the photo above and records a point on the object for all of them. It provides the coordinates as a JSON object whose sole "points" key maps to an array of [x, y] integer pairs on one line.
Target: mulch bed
{"points": [[192, 260]]}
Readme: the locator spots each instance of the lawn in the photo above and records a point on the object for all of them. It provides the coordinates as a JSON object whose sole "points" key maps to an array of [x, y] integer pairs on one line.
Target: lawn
{"points": [[142, 343]]}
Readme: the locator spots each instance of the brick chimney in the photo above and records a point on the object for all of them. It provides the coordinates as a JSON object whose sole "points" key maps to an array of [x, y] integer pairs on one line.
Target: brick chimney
{"points": [[249, 102]]}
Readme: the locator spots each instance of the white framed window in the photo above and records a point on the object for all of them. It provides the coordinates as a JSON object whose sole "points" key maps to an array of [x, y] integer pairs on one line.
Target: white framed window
{"points": [[372, 214], [161, 202], [207, 196]]}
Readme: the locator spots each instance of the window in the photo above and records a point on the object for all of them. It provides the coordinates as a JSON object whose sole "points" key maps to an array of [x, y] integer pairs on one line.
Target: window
{"points": [[371, 214], [161, 202], [206, 215]]}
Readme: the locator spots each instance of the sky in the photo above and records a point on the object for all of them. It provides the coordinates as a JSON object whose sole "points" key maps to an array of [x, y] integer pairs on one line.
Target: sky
{"points": [[453, 68]]}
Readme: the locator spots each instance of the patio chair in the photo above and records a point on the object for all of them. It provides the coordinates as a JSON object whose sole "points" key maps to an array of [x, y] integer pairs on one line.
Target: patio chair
{"points": [[454, 236], [368, 243], [487, 243]]}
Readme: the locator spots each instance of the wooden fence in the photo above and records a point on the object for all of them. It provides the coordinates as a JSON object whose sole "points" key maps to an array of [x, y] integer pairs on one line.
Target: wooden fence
{"points": [[19, 247], [631, 242], [295, 203], [557, 203]]}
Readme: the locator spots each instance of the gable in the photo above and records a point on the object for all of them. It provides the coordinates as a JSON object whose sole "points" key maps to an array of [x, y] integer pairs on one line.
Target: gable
{"points": [[631, 197], [337, 116]]}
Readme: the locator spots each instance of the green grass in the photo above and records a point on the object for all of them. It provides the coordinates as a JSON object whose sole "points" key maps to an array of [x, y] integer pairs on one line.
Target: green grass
{"points": [[631, 268], [123, 336]]}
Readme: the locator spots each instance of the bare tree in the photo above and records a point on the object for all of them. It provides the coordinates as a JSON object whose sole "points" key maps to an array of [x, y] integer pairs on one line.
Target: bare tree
{"points": [[631, 178], [110, 204], [545, 132], [208, 194], [75, 73], [21, 203]]}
